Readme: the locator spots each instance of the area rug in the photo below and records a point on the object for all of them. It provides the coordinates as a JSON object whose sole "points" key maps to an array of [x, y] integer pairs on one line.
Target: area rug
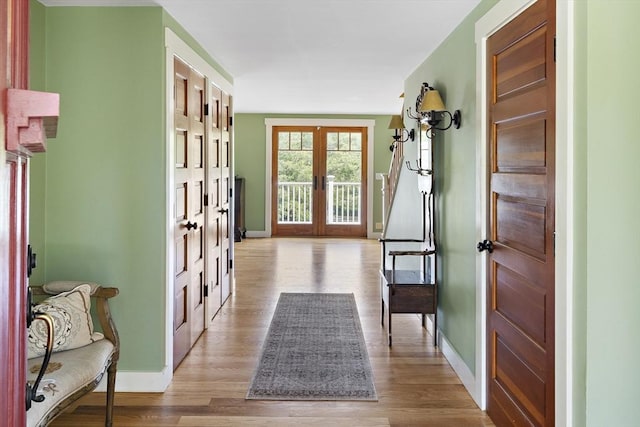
{"points": [[314, 350]]}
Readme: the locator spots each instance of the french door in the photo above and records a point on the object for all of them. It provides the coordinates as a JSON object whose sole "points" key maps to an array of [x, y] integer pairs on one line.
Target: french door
{"points": [[319, 182]]}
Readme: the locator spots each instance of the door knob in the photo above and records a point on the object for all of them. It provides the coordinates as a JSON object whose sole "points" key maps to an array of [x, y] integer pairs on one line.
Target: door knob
{"points": [[191, 225], [485, 245]]}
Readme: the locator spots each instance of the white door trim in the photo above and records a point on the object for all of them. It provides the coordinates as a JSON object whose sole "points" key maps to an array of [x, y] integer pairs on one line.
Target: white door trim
{"points": [[270, 123], [497, 17]]}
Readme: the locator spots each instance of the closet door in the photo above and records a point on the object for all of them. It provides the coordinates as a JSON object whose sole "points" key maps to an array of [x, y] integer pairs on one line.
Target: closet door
{"points": [[225, 200], [214, 203], [218, 200], [189, 218]]}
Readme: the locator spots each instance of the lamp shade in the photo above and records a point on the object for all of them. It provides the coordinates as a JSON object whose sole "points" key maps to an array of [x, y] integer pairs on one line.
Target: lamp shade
{"points": [[432, 101], [396, 122]]}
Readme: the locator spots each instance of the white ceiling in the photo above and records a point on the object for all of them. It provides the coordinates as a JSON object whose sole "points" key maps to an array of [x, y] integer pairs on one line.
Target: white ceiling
{"points": [[313, 56]]}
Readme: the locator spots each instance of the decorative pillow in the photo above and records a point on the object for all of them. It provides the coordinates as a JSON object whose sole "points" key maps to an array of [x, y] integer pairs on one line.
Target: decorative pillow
{"points": [[72, 323]]}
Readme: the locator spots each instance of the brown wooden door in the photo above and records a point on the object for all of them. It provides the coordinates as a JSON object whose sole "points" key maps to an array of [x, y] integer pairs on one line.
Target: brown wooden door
{"points": [[225, 194], [215, 214], [189, 129], [319, 181], [13, 284], [520, 316], [14, 66]]}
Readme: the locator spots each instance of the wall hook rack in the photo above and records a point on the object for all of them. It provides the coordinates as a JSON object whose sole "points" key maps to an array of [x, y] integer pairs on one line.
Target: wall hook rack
{"points": [[419, 169]]}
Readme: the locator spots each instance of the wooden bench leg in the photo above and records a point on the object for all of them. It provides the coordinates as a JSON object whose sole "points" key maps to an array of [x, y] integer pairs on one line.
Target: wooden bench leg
{"points": [[111, 387]]}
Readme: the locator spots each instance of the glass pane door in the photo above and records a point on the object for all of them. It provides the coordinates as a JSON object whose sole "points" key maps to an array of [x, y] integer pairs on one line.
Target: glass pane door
{"points": [[294, 181], [344, 178], [319, 181], [344, 174]]}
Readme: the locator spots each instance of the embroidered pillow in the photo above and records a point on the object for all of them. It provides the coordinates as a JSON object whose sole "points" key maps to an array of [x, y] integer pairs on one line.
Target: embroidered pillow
{"points": [[72, 323]]}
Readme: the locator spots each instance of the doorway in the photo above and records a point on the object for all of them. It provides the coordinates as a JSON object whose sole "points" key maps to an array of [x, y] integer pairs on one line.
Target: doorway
{"points": [[520, 299], [199, 212], [319, 181]]}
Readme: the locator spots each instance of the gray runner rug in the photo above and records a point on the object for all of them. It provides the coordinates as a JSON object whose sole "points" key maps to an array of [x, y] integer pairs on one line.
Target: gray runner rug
{"points": [[314, 350]]}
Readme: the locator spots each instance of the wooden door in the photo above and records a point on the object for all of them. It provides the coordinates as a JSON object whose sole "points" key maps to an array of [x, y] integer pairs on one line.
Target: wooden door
{"points": [[214, 204], [13, 301], [189, 130], [520, 316], [226, 120], [218, 200], [319, 185], [294, 180], [14, 65], [342, 163]]}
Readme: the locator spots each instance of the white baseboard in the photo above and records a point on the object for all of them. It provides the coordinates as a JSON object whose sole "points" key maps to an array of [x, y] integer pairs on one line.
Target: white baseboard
{"points": [[139, 382], [461, 369]]}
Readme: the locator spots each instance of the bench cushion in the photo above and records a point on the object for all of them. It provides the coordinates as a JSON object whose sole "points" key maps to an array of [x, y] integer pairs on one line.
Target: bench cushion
{"points": [[72, 371]]}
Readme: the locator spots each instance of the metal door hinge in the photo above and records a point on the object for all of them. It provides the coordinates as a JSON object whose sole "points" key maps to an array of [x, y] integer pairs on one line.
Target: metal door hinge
{"points": [[231, 121], [230, 193], [206, 290], [206, 200], [206, 109], [231, 264], [554, 48]]}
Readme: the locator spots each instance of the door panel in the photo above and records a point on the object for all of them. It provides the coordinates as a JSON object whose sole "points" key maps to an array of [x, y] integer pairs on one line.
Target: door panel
{"points": [[189, 98], [196, 238], [225, 195], [13, 290], [319, 182], [343, 162], [218, 210], [214, 222], [520, 316], [295, 181]]}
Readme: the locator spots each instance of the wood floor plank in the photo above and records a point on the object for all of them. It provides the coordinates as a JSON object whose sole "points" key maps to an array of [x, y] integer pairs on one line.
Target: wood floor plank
{"points": [[415, 384]]}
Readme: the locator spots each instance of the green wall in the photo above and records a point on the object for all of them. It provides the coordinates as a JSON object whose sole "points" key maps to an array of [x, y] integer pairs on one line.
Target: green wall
{"points": [[451, 70], [250, 160], [605, 196], [579, 245], [98, 195], [613, 213], [105, 196]]}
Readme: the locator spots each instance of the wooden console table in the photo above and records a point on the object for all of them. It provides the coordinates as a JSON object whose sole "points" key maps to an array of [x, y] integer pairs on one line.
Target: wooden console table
{"points": [[409, 291]]}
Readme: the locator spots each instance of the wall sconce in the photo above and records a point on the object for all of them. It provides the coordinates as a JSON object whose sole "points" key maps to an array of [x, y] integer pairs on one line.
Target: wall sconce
{"points": [[401, 134], [431, 110]]}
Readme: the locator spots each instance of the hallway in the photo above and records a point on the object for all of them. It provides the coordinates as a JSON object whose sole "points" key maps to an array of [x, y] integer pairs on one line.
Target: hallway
{"points": [[415, 384]]}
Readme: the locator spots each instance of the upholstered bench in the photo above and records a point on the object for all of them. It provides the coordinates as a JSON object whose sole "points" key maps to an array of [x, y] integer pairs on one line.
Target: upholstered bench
{"points": [[81, 356]]}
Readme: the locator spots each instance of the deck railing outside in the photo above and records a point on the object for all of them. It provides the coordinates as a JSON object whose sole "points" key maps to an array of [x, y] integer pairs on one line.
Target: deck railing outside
{"points": [[295, 202]]}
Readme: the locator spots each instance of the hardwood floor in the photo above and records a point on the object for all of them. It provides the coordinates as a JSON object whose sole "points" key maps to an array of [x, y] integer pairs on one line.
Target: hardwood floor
{"points": [[415, 384]]}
